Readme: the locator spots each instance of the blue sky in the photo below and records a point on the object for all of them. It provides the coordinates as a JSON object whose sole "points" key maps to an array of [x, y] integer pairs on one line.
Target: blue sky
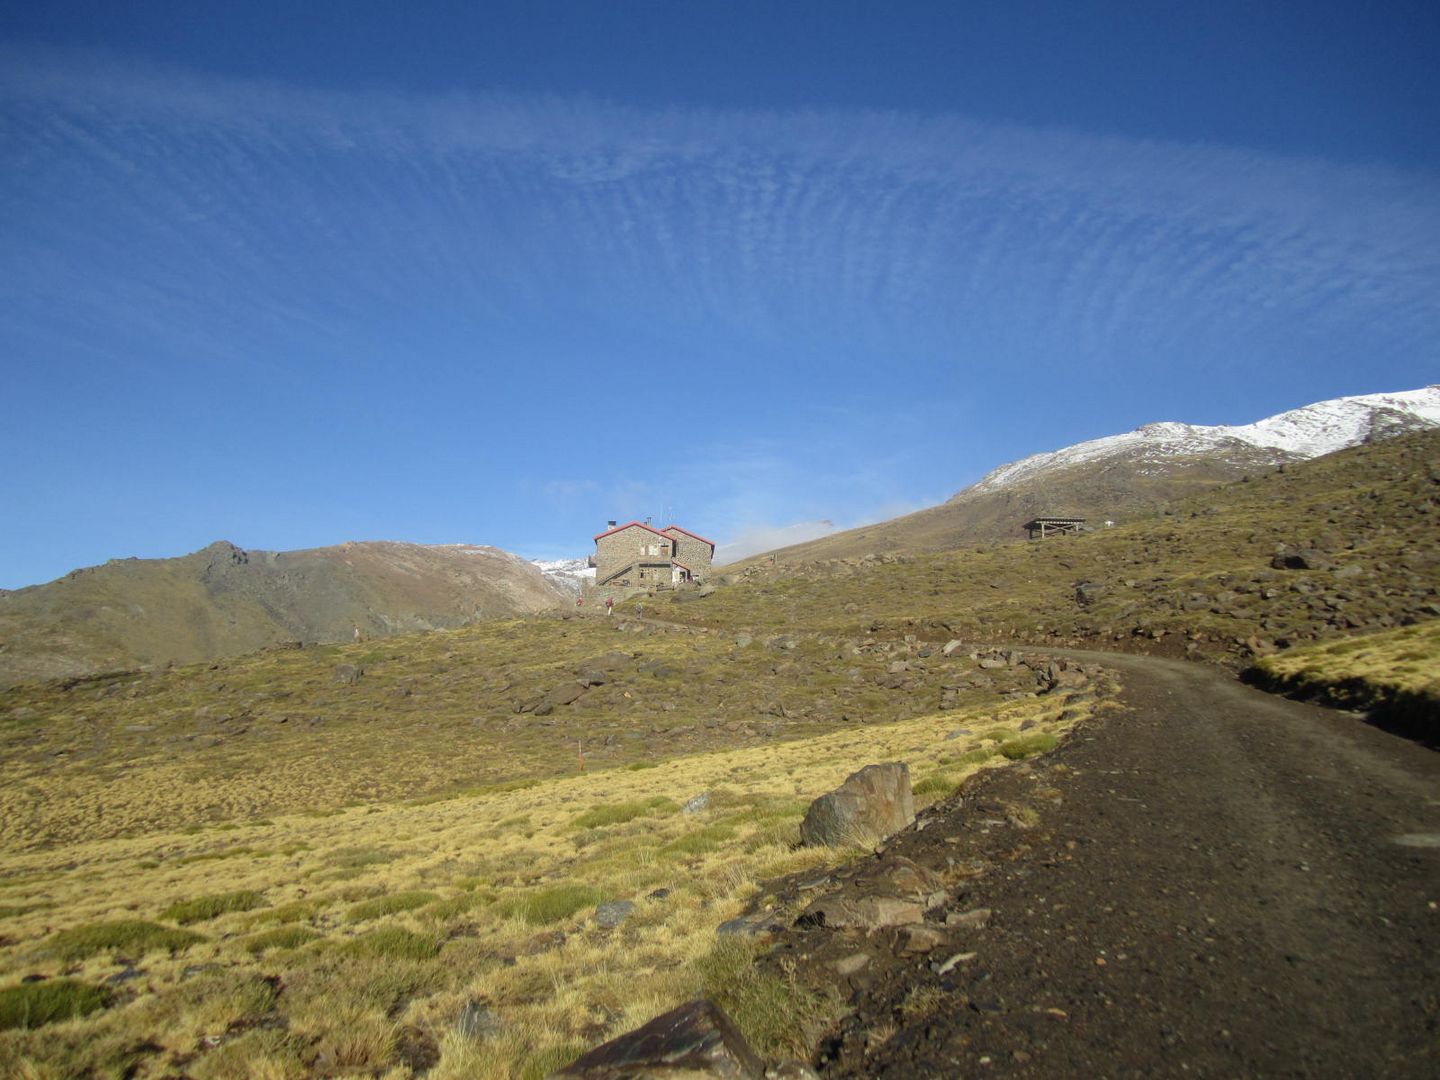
{"points": [[497, 273]]}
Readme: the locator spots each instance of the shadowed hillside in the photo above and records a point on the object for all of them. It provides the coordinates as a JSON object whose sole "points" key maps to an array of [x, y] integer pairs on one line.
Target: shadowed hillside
{"points": [[223, 601]]}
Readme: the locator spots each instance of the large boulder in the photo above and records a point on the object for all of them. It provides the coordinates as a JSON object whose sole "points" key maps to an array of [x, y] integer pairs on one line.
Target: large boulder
{"points": [[696, 1040], [872, 804]]}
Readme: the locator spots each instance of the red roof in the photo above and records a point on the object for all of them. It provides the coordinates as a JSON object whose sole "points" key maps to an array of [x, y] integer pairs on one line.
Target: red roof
{"points": [[694, 536], [682, 566], [637, 525]]}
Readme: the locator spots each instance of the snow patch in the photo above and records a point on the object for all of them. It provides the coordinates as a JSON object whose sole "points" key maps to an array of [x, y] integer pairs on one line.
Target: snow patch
{"points": [[567, 574]]}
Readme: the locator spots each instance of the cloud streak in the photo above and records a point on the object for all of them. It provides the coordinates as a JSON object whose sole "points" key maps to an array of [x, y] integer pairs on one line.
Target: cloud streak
{"points": [[323, 209]]}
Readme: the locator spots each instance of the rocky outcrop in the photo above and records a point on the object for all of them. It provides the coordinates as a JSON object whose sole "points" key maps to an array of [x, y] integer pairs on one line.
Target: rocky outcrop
{"points": [[872, 804], [695, 1041]]}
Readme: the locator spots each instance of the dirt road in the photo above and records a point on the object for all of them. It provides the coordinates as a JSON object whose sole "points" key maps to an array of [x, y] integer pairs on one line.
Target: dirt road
{"points": [[1220, 883]]}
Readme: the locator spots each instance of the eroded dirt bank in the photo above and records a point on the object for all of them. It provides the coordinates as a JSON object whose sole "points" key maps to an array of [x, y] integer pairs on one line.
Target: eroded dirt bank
{"points": [[1219, 883]]}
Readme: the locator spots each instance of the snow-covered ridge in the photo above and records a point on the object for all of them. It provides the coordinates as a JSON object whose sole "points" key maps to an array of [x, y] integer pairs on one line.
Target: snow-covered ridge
{"points": [[1307, 432], [568, 574]]}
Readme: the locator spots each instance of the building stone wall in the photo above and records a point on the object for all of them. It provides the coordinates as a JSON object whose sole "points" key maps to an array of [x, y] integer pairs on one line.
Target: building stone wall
{"points": [[630, 545], [693, 553]]}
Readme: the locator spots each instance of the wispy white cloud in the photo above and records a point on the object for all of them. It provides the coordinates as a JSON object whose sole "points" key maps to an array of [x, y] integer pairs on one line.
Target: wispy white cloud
{"points": [[321, 209]]}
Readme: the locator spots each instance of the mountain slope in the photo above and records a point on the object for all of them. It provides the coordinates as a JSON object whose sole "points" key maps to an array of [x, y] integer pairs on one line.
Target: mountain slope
{"points": [[222, 601], [1131, 476]]}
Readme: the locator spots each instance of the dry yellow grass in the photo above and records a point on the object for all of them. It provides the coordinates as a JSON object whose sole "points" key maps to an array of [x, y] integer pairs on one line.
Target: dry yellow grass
{"points": [[508, 938], [1404, 661]]}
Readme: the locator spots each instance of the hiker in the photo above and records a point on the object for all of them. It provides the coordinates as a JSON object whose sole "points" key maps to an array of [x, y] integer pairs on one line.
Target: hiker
{"points": [[609, 605]]}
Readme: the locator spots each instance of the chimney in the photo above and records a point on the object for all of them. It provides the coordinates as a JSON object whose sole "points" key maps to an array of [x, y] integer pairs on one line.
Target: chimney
{"points": [[610, 524]]}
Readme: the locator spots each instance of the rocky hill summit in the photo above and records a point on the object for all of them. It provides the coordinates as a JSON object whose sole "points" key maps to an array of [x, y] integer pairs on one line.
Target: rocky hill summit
{"points": [[1132, 476], [223, 600]]}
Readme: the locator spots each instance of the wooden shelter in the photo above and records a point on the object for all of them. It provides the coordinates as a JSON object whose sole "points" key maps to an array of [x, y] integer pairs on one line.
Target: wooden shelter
{"points": [[1043, 528]]}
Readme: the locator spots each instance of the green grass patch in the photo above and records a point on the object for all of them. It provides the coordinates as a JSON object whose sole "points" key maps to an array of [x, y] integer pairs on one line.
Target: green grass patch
{"points": [[134, 937], [937, 784], [282, 937], [30, 1005], [389, 905], [619, 813], [779, 1017], [1024, 746], [211, 907], [548, 905], [297, 911], [395, 943], [700, 842]]}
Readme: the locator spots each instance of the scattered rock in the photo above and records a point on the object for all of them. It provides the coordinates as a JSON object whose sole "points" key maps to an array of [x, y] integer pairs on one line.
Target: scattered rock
{"points": [[860, 912], [477, 1021], [968, 920], [347, 674], [849, 965], [696, 1040], [743, 640], [1287, 558], [1087, 592], [872, 804], [950, 647], [920, 939], [612, 913], [696, 804], [561, 695], [791, 1070], [949, 965], [760, 924]]}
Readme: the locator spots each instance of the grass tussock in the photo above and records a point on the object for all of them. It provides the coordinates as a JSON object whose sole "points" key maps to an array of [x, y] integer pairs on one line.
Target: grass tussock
{"points": [[619, 813], [395, 943], [203, 908], [282, 937], [389, 905], [1023, 746], [778, 1016], [32, 1005], [130, 937], [548, 905]]}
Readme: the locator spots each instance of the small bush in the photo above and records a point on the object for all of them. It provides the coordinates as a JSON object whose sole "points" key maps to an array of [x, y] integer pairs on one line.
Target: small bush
{"points": [[389, 905], [937, 784], [1025, 746], [779, 1017], [282, 937], [134, 937], [210, 907], [30, 1005], [618, 813], [394, 943], [542, 906], [636, 766]]}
